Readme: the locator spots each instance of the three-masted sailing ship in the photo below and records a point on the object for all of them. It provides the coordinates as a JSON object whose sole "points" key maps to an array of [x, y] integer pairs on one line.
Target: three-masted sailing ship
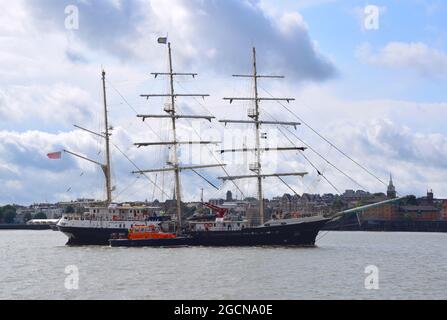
{"points": [[223, 230], [110, 223]]}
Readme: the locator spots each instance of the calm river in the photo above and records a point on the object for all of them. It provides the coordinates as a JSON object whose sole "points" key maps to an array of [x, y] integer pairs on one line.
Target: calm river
{"points": [[33, 265]]}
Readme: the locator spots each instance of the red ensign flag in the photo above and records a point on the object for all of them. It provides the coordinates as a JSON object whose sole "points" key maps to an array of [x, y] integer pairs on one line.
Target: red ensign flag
{"points": [[55, 155]]}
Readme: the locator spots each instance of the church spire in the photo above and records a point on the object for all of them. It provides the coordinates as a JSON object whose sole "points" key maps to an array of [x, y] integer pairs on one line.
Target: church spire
{"points": [[391, 190]]}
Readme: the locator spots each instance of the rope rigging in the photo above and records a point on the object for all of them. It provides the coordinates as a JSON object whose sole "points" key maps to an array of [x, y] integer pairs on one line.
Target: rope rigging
{"points": [[132, 108], [290, 187], [135, 165], [127, 187], [201, 176], [308, 160], [325, 159], [327, 140], [123, 153], [211, 152]]}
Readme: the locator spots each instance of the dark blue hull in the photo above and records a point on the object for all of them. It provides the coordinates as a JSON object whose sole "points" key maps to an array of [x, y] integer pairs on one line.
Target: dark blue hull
{"points": [[90, 236], [298, 234]]}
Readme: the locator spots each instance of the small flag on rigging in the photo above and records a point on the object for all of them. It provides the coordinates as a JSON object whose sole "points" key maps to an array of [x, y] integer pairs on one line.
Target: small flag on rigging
{"points": [[163, 40], [55, 155]]}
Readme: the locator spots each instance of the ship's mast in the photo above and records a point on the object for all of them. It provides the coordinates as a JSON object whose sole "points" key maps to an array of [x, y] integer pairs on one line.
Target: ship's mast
{"points": [[173, 113], [256, 120], [107, 168], [175, 164], [257, 168]]}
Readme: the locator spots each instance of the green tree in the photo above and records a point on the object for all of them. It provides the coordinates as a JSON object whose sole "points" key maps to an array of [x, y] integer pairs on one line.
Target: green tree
{"points": [[9, 214], [40, 216], [27, 217]]}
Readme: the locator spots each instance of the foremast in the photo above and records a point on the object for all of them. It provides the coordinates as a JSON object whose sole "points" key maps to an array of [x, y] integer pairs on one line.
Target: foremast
{"points": [[174, 115], [257, 122]]}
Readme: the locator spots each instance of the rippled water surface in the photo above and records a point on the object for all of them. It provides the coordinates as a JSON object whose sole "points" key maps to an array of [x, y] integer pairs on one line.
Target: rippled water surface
{"points": [[411, 266]]}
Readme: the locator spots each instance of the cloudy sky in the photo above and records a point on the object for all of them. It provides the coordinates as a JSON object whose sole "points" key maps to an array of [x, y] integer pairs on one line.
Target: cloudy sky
{"points": [[373, 85]]}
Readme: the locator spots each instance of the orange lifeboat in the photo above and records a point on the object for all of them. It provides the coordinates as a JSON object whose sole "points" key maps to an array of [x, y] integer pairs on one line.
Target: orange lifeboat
{"points": [[148, 232]]}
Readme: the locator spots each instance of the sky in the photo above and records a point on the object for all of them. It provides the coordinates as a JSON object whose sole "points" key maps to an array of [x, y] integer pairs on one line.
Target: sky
{"points": [[368, 76]]}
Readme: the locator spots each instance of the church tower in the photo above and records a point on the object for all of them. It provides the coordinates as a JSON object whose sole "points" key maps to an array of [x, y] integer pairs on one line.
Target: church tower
{"points": [[391, 190]]}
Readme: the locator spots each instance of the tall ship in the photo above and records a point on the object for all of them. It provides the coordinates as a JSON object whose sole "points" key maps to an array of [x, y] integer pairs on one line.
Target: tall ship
{"points": [[224, 229], [126, 225]]}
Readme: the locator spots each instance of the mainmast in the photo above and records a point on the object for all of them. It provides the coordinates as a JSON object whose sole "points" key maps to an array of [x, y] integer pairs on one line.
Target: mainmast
{"points": [[173, 113], [254, 114], [175, 164]]}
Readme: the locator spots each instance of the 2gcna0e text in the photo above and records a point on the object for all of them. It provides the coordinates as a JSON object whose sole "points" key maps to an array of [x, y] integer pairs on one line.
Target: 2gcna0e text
{"points": [[238, 309]]}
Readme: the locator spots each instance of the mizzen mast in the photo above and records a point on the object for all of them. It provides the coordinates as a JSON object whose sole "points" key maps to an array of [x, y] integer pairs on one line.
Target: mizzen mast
{"points": [[106, 167], [254, 114]]}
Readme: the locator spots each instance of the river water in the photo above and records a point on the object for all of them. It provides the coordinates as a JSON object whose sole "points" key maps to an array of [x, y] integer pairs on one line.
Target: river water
{"points": [[404, 265]]}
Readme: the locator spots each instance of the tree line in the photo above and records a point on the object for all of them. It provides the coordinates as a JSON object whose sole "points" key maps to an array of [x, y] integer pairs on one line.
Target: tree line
{"points": [[8, 215]]}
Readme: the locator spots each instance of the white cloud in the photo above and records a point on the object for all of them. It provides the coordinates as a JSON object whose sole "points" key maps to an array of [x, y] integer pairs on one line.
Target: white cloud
{"points": [[415, 159], [272, 5], [226, 29], [58, 104], [290, 21], [51, 75], [417, 57], [366, 130], [376, 133]]}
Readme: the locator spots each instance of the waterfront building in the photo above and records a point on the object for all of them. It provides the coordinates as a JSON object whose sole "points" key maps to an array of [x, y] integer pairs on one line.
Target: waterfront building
{"points": [[216, 201], [444, 210]]}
